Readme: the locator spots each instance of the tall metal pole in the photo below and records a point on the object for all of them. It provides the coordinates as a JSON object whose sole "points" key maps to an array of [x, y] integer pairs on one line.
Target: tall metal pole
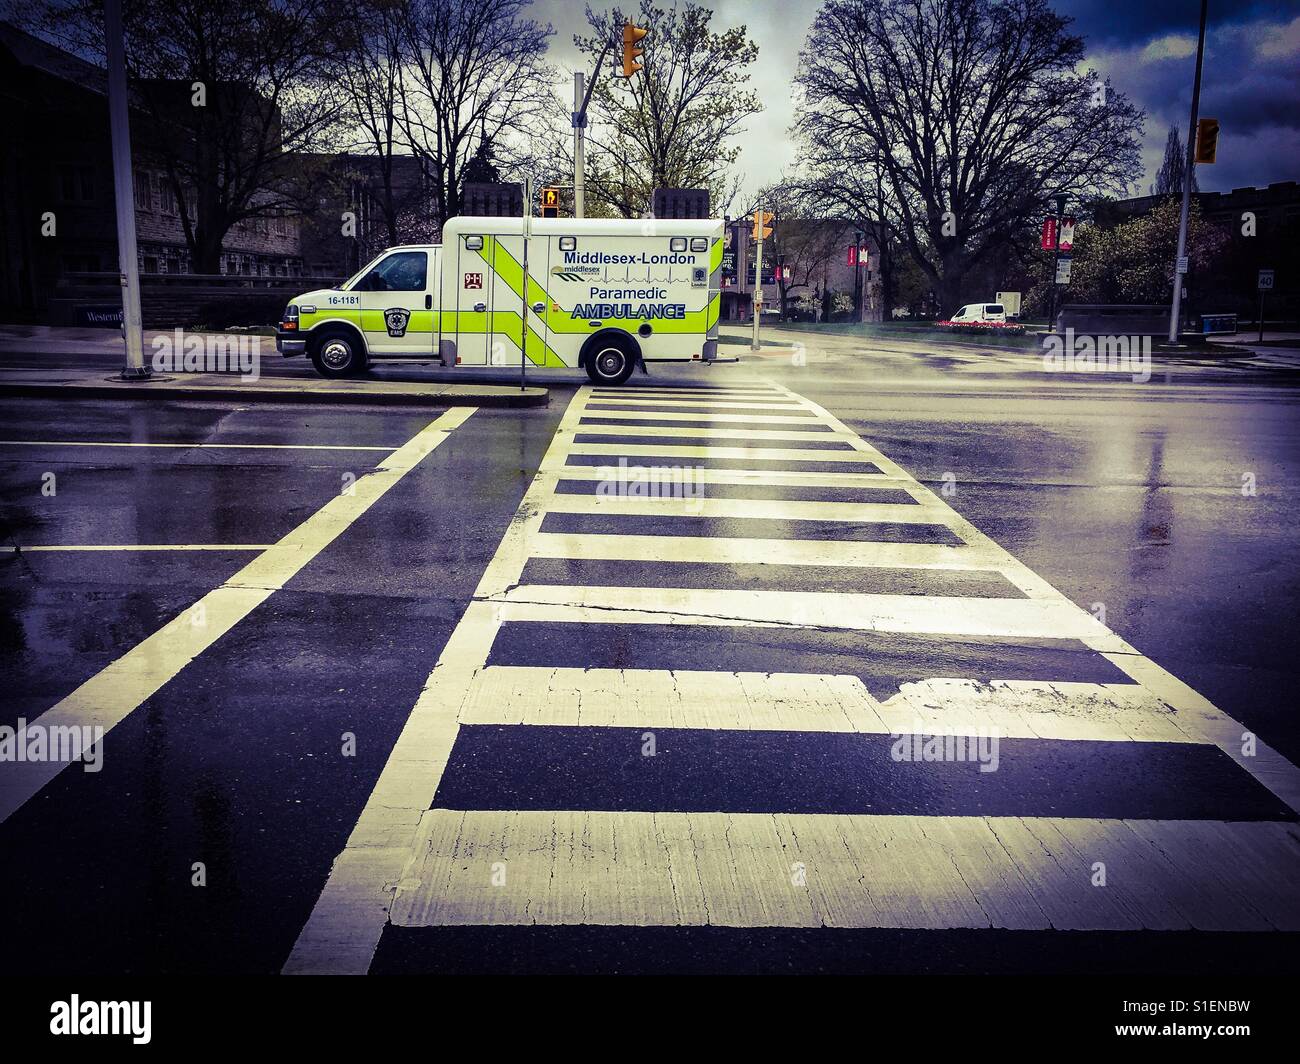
{"points": [[758, 280], [1056, 259], [857, 275], [523, 317], [124, 194], [1176, 306], [580, 101], [579, 147]]}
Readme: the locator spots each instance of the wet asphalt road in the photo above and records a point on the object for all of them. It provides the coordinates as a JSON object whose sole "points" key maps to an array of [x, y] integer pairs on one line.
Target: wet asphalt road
{"points": [[1126, 497]]}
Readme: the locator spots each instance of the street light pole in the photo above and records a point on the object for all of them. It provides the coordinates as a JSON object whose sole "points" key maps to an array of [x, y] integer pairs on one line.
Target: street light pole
{"points": [[1176, 306], [581, 99], [579, 147], [124, 194]]}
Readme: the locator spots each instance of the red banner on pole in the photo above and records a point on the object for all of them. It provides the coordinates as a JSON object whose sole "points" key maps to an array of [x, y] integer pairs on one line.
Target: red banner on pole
{"points": [[1067, 234], [853, 255], [1049, 234]]}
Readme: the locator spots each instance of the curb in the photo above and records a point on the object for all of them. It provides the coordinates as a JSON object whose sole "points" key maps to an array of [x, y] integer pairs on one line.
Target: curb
{"points": [[464, 395]]}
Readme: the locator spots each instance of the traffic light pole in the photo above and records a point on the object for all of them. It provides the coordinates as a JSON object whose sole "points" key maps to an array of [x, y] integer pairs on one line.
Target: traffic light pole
{"points": [[1176, 306], [758, 288]]}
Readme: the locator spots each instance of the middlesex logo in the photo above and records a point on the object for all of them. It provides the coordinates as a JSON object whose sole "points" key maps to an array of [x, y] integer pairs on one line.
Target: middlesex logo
{"points": [[575, 273], [396, 319]]}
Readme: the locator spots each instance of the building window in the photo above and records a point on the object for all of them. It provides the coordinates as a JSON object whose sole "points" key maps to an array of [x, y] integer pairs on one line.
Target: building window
{"points": [[75, 183], [166, 197], [143, 191]]}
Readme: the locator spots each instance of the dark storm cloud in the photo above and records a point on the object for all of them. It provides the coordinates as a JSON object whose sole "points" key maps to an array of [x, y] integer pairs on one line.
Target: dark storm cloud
{"points": [[1107, 21], [1251, 82]]}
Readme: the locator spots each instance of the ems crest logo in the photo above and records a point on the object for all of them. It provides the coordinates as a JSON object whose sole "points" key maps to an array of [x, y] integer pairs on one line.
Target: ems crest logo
{"points": [[396, 319]]}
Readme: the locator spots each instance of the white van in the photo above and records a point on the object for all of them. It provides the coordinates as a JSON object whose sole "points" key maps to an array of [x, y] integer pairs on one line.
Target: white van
{"points": [[602, 295], [981, 314]]}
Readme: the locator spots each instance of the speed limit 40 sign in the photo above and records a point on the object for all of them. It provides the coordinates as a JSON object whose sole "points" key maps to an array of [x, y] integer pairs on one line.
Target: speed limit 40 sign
{"points": [[1265, 281]]}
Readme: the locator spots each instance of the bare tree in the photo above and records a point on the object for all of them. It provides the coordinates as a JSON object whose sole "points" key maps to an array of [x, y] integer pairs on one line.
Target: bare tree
{"points": [[371, 62], [829, 190], [475, 76], [228, 92], [675, 122], [972, 113], [1169, 179], [803, 240]]}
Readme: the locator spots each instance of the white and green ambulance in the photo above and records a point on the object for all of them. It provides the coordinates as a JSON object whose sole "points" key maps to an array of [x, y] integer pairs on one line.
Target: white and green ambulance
{"points": [[602, 295]]}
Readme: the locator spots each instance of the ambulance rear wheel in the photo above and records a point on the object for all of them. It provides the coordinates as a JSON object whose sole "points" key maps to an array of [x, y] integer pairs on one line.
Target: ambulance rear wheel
{"points": [[611, 361], [337, 354]]}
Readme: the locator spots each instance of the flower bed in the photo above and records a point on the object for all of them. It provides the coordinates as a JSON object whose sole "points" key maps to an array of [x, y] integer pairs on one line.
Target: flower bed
{"points": [[1004, 328]]}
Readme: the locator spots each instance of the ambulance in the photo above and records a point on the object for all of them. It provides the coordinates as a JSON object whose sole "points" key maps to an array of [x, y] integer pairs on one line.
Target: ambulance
{"points": [[602, 295]]}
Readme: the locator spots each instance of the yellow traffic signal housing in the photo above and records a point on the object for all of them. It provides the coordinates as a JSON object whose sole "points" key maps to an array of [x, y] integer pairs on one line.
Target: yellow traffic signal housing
{"points": [[762, 225], [1207, 139], [550, 203], [632, 33]]}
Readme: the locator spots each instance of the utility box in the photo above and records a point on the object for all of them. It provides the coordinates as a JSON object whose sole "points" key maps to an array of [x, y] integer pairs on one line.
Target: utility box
{"points": [[1010, 302]]}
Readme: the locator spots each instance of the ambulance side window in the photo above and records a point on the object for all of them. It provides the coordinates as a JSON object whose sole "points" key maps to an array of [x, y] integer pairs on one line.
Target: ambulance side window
{"points": [[402, 271]]}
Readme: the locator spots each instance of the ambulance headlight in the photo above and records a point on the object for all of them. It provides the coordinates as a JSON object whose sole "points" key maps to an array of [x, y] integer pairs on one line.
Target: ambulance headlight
{"points": [[677, 243]]}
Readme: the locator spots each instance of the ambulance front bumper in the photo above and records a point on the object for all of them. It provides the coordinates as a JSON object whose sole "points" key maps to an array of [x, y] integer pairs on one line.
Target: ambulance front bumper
{"points": [[288, 343]]}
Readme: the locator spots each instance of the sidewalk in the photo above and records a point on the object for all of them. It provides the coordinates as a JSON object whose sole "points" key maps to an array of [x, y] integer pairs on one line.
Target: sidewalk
{"points": [[79, 383]]}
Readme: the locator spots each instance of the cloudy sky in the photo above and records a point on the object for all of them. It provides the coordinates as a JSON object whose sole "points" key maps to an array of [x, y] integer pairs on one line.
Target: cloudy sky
{"points": [[1251, 81]]}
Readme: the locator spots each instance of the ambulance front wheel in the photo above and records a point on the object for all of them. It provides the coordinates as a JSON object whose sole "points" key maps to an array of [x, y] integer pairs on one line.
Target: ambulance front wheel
{"points": [[337, 354], [612, 361]]}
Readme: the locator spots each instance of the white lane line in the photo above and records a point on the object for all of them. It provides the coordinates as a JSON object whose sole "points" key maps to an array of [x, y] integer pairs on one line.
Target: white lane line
{"points": [[707, 434], [775, 477], [759, 701], [912, 614], [343, 930], [27, 548], [107, 698], [759, 509], [768, 454], [200, 446], [851, 870], [747, 386], [720, 404], [1262, 761], [719, 419], [636, 392], [833, 554]]}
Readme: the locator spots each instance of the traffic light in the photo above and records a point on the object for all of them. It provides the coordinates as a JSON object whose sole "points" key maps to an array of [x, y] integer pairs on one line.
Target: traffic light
{"points": [[550, 203], [762, 225], [1207, 139], [632, 33]]}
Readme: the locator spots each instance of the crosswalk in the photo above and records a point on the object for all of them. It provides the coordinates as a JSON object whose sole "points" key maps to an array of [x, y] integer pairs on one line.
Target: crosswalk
{"points": [[732, 666]]}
